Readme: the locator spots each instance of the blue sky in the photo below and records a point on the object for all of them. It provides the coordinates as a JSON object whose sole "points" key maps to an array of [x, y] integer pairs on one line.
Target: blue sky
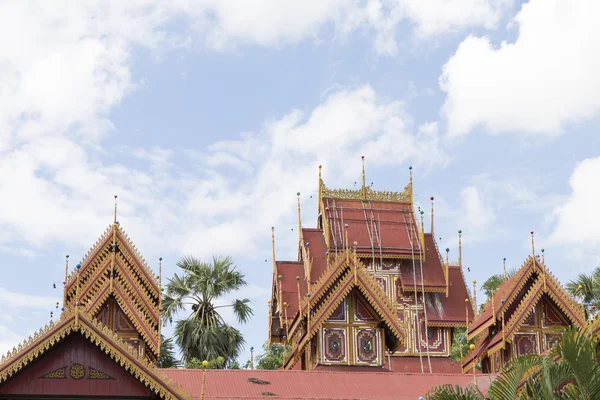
{"points": [[207, 117]]}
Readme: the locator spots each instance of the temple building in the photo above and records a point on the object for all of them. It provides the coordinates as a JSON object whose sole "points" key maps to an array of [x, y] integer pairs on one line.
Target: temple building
{"points": [[525, 315], [106, 341], [370, 288]]}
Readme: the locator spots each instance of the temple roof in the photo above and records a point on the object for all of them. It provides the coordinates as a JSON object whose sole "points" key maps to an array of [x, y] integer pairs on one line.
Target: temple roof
{"points": [[114, 267], [78, 321], [377, 227], [512, 292], [355, 383], [515, 300]]}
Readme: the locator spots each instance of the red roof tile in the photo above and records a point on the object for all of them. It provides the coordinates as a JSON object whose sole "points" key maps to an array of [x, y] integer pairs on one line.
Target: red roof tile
{"points": [[372, 224], [237, 384], [432, 268], [451, 309]]}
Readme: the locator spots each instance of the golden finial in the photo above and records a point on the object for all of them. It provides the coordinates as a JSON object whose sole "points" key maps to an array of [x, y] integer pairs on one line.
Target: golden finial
{"points": [[474, 297], [503, 331], [410, 182], [446, 272], [347, 244], [467, 314], [115, 218], [533, 246], [65, 281], [320, 190], [159, 299], [364, 183], [273, 250], [299, 221], [298, 287], [504, 262], [493, 308], [460, 248], [432, 219], [543, 259]]}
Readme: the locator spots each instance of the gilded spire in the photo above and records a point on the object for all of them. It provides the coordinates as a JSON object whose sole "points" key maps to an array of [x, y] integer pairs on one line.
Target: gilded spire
{"points": [[474, 297], [65, 281], [298, 287], [273, 250], [460, 248], [504, 262], [299, 221], [532, 246], [115, 218], [364, 183], [410, 184], [159, 301], [467, 314], [493, 308], [446, 272], [432, 219], [320, 190]]}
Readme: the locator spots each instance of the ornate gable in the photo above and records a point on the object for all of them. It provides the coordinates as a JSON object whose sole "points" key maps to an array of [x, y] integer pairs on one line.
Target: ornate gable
{"points": [[114, 269], [88, 339], [348, 279], [525, 315]]}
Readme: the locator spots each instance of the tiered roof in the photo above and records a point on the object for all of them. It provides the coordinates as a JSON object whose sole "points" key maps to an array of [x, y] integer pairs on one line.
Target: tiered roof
{"points": [[114, 268], [513, 301], [355, 228]]}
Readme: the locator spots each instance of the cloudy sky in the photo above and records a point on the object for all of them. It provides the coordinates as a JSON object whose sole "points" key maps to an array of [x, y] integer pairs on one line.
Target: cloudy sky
{"points": [[206, 117]]}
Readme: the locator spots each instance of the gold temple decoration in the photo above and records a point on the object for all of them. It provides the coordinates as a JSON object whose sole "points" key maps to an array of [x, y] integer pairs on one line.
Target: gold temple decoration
{"points": [[446, 275], [98, 334], [467, 313], [432, 218], [65, 282], [460, 264], [474, 297], [367, 194], [504, 263], [364, 183]]}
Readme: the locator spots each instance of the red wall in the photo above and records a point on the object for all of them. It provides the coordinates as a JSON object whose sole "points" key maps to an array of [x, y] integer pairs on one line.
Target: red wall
{"points": [[74, 350]]}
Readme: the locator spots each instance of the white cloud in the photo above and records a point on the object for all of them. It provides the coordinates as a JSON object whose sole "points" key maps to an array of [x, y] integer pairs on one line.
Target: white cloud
{"points": [[276, 23], [19, 300], [578, 218], [546, 78], [476, 215], [435, 17]]}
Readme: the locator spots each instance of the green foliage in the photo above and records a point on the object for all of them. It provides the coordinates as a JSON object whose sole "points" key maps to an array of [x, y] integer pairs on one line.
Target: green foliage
{"points": [[203, 334], [460, 340], [272, 358], [449, 392], [590, 288], [217, 363], [167, 354], [569, 372]]}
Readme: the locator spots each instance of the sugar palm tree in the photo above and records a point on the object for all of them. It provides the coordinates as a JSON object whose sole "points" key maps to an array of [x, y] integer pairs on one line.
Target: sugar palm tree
{"points": [[587, 286], [167, 354], [200, 291]]}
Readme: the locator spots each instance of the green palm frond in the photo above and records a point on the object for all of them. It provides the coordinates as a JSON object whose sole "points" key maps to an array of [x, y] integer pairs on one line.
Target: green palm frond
{"points": [[204, 334]]}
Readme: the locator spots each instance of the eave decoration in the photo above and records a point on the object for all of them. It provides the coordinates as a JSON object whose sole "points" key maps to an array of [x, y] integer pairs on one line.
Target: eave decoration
{"points": [[73, 321]]}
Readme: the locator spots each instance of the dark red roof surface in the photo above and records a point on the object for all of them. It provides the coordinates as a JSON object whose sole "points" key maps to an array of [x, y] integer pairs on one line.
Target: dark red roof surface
{"points": [[237, 384], [451, 309], [372, 224], [432, 268]]}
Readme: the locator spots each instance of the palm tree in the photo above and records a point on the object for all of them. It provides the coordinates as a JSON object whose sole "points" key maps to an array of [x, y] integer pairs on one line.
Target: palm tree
{"points": [[199, 291], [569, 371], [587, 286], [167, 354]]}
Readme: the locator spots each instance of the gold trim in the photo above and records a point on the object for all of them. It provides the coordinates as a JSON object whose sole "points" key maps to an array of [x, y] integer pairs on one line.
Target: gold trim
{"points": [[367, 194], [141, 368]]}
